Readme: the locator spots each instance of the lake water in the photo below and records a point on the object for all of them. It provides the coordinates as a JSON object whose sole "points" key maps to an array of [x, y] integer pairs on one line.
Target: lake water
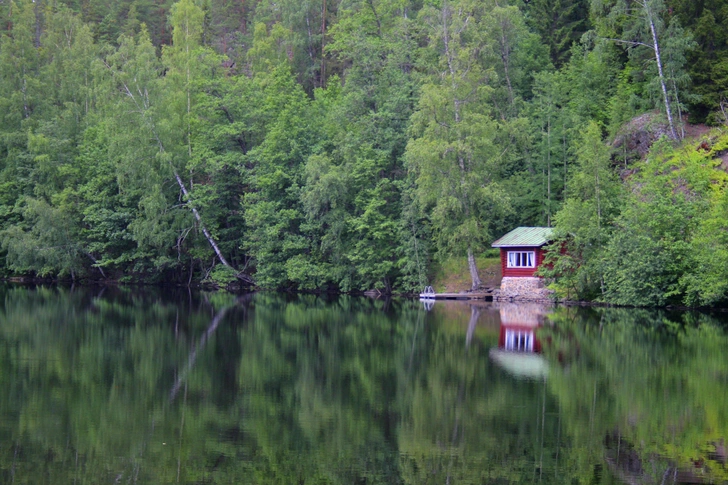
{"points": [[125, 386]]}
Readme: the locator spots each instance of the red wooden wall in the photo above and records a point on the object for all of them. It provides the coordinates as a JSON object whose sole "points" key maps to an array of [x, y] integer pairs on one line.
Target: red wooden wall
{"points": [[523, 272]]}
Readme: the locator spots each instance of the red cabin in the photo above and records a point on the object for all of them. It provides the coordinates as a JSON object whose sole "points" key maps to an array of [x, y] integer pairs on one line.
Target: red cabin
{"points": [[522, 250]]}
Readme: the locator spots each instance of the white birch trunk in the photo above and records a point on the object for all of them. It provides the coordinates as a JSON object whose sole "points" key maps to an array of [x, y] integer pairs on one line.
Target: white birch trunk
{"points": [[658, 58], [207, 234], [473, 267], [474, 315], [142, 109]]}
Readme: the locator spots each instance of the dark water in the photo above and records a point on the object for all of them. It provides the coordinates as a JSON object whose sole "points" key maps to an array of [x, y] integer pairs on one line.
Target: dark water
{"points": [[114, 386]]}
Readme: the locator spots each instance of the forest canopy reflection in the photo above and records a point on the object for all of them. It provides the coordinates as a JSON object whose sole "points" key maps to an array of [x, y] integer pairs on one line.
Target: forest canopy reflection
{"points": [[117, 386]]}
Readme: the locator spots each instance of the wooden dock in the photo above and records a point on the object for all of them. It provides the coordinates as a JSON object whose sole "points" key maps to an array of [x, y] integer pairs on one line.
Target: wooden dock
{"points": [[486, 294]]}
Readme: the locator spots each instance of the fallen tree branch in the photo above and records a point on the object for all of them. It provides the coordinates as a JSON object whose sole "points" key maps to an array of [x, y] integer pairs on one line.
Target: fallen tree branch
{"points": [[142, 104]]}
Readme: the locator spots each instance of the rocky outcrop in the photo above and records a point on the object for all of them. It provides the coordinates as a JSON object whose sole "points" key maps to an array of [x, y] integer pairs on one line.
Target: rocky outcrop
{"points": [[634, 139]]}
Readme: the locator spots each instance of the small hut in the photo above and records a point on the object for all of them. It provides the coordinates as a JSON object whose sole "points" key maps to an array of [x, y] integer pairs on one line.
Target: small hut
{"points": [[522, 252]]}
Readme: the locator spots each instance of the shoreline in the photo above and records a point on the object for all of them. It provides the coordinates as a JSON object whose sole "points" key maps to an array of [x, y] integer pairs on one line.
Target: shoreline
{"points": [[375, 294]]}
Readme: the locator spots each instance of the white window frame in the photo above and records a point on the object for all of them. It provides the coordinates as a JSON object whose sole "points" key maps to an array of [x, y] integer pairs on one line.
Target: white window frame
{"points": [[521, 259], [519, 340]]}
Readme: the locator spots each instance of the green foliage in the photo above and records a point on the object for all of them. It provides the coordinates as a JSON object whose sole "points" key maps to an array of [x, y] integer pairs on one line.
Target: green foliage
{"points": [[345, 145], [584, 224], [651, 247], [665, 243], [456, 153], [656, 48], [560, 23], [707, 64], [50, 245], [273, 212], [706, 282], [221, 276]]}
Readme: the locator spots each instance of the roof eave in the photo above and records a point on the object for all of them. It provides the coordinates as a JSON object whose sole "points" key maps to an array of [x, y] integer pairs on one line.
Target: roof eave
{"points": [[519, 245]]}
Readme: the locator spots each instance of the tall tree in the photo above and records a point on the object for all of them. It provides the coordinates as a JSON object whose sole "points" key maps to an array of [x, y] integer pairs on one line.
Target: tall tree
{"points": [[162, 111], [551, 118], [708, 63], [452, 152], [46, 237], [273, 204], [354, 180], [20, 59], [132, 108], [308, 23], [188, 62]]}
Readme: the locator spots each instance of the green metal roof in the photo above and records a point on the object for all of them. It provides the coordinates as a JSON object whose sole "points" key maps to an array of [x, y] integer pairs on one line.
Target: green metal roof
{"points": [[525, 236]]}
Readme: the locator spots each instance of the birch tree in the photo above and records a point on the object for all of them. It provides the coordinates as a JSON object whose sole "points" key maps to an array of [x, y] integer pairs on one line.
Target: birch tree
{"points": [[186, 60], [157, 114], [640, 25], [453, 153]]}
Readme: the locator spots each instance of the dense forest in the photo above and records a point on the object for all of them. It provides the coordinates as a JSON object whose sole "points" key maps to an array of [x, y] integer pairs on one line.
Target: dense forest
{"points": [[350, 144]]}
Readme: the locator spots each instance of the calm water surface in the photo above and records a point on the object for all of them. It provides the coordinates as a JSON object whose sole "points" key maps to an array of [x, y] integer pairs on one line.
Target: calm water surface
{"points": [[119, 387]]}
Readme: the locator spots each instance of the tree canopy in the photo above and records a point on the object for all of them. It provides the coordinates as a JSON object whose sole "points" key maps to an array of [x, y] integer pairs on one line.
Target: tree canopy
{"points": [[351, 145]]}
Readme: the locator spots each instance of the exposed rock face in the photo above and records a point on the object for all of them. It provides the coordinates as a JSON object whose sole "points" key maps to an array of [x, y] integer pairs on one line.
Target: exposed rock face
{"points": [[522, 289], [635, 138]]}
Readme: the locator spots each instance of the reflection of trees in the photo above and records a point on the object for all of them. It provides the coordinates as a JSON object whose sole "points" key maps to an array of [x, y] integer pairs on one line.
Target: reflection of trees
{"points": [[83, 379], [286, 390], [288, 395], [388, 397], [466, 421], [283, 389], [321, 381], [201, 343], [651, 382]]}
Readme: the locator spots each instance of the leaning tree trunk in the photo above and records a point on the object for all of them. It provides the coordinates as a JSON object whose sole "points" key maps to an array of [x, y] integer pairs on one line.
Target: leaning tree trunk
{"points": [[142, 107], [473, 267], [474, 315], [658, 58], [207, 234]]}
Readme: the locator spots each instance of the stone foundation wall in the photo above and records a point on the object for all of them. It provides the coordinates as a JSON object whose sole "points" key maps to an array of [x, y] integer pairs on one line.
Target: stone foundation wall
{"points": [[522, 289]]}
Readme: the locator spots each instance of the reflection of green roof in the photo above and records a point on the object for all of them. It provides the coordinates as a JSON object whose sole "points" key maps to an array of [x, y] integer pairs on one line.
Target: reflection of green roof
{"points": [[521, 364], [525, 236]]}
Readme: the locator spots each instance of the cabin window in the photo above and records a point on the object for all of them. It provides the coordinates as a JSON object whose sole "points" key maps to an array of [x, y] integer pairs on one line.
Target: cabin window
{"points": [[521, 259], [519, 341]]}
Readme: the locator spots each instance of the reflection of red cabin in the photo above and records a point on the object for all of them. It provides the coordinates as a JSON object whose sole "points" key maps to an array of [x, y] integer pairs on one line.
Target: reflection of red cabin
{"points": [[518, 348], [519, 338], [522, 250]]}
